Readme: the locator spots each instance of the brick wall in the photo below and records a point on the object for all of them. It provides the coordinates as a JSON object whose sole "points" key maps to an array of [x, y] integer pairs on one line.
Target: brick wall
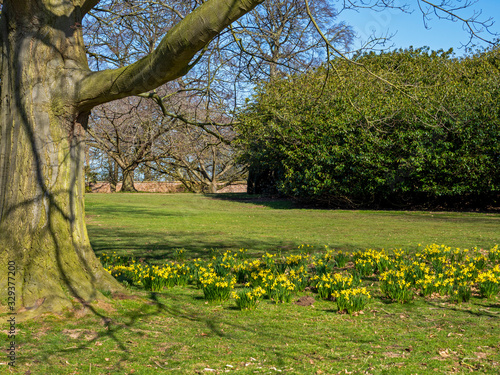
{"points": [[161, 187]]}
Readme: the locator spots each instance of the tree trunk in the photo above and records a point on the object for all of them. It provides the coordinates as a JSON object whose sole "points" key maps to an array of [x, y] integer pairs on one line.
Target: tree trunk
{"points": [[212, 187], [148, 175], [128, 180], [42, 228], [113, 174]]}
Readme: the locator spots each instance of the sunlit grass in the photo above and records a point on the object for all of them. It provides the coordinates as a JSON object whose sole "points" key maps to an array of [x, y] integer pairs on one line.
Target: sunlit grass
{"points": [[154, 226]]}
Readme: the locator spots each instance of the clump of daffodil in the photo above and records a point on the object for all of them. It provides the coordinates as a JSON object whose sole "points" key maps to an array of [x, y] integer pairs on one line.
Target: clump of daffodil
{"points": [[489, 282], [364, 267], [280, 288], [296, 261], [182, 274], [323, 266], [248, 299], [341, 258], [156, 278], [223, 263], [216, 288], [444, 285], [243, 269], [434, 269], [480, 262], [368, 261], [394, 284], [426, 284], [329, 283], [462, 291], [494, 254], [351, 300], [299, 277], [268, 259], [263, 278], [417, 271]]}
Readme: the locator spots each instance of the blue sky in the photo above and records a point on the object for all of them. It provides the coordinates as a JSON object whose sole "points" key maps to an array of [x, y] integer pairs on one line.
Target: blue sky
{"points": [[410, 29]]}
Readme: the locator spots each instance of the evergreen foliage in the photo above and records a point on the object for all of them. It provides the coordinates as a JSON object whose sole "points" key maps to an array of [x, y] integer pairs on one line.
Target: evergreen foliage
{"points": [[344, 137]]}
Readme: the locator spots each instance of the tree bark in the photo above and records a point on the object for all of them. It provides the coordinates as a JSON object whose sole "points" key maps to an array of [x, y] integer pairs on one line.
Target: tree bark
{"points": [[212, 186], [113, 174], [128, 180]]}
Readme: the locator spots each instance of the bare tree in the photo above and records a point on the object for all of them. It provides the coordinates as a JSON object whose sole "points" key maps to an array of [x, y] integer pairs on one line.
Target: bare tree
{"points": [[203, 161], [127, 132], [279, 38]]}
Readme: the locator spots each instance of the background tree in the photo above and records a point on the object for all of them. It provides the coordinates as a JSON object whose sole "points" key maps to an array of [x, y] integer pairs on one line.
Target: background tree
{"points": [[127, 132], [279, 38], [101, 167], [202, 161]]}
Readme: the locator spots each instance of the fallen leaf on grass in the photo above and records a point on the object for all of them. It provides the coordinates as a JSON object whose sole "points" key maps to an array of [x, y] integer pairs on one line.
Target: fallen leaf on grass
{"points": [[392, 355], [445, 353]]}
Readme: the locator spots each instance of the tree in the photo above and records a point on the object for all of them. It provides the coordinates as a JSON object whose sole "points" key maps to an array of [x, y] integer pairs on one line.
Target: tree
{"points": [[203, 161], [279, 38], [47, 94], [101, 167], [127, 132]]}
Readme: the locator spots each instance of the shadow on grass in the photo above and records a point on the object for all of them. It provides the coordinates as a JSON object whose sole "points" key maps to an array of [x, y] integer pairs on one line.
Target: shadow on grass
{"points": [[479, 312], [289, 203], [197, 245], [259, 200], [123, 329], [133, 210]]}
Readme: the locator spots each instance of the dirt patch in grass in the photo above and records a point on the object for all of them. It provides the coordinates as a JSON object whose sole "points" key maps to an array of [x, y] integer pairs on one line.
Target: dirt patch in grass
{"points": [[122, 296], [305, 301], [85, 334]]}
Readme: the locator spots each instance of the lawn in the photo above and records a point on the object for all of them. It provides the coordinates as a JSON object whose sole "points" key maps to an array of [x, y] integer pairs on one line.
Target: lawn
{"points": [[153, 226], [177, 331]]}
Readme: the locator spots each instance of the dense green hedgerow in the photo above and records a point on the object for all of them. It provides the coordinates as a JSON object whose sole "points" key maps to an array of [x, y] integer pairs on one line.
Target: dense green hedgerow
{"points": [[347, 138]]}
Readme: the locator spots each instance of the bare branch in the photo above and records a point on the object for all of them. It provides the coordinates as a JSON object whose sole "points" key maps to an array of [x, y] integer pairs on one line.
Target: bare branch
{"points": [[449, 12]]}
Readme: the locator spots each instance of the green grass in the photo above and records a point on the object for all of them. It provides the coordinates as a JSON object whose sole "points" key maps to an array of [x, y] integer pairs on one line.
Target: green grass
{"points": [[177, 332], [154, 225]]}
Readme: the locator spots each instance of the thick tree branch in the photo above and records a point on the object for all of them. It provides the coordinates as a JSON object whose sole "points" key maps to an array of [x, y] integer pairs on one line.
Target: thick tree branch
{"points": [[170, 60], [88, 5]]}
